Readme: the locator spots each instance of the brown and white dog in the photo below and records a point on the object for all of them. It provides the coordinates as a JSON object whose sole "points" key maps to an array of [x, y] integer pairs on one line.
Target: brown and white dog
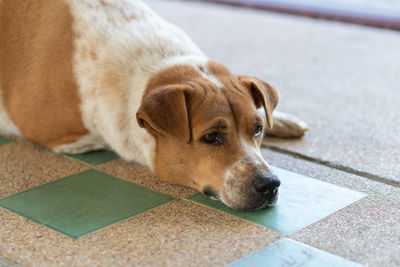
{"points": [[80, 75]]}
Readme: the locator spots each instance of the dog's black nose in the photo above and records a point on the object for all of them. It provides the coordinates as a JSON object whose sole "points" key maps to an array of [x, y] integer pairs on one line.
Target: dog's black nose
{"points": [[266, 183]]}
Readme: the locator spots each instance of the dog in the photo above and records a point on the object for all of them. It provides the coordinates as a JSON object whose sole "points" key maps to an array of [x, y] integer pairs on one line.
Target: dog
{"points": [[78, 76]]}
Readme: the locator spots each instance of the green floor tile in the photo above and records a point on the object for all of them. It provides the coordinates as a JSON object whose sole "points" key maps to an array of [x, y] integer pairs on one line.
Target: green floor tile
{"points": [[83, 203], [95, 157], [287, 252], [302, 201], [6, 263], [4, 140]]}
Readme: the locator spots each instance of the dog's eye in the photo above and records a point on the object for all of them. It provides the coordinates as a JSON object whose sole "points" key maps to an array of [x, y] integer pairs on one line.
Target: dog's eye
{"points": [[258, 131], [213, 139]]}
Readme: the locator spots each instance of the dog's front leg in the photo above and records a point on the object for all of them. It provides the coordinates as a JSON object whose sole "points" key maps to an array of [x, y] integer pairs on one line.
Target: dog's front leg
{"points": [[286, 126], [84, 144]]}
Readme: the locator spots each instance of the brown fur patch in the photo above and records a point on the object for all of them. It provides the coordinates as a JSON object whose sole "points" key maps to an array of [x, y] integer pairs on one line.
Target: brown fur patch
{"points": [[173, 75], [93, 55], [228, 168], [217, 69], [193, 164], [240, 100], [38, 85], [103, 3], [128, 17]]}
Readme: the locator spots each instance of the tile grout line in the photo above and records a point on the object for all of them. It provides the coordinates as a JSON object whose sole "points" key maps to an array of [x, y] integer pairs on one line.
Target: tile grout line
{"points": [[7, 261], [94, 167], [33, 219], [282, 235], [118, 222], [65, 155], [81, 161], [304, 245], [240, 218], [340, 167]]}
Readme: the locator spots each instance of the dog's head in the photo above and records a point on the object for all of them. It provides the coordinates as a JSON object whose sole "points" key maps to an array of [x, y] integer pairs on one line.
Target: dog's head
{"points": [[208, 132]]}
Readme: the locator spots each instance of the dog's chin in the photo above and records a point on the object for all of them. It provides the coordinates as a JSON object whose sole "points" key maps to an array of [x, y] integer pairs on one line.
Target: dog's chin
{"points": [[265, 205], [268, 204]]}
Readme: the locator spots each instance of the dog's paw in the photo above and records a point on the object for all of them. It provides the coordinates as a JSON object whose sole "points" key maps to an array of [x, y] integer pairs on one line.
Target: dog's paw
{"points": [[287, 126], [77, 149]]}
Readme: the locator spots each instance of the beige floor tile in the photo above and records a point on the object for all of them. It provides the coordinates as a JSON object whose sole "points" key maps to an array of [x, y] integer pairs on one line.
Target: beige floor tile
{"points": [[367, 231], [140, 174], [342, 79], [24, 165], [6, 263], [180, 233]]}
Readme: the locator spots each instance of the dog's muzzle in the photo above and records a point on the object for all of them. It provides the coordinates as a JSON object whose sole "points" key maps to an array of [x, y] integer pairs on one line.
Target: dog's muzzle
{"points": [[266, 188]]}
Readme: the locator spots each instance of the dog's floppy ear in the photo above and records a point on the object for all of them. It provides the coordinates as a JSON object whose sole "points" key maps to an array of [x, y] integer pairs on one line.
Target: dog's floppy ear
{"points": [[164, 110], [264, 95]]}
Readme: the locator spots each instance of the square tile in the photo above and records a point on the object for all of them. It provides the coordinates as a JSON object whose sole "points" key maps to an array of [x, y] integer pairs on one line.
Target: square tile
{"points": [[287, 252], [178, 233], [24, 165], [140, 174], [6, 263], [83, 203], [4, 140], [302, 201], [95, 157]]}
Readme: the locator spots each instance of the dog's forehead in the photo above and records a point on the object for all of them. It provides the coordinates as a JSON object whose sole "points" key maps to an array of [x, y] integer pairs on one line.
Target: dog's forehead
{"points": [[225, 98], [214, 91], [233, 89], [209, 112], [238, 96], [173, 75]]}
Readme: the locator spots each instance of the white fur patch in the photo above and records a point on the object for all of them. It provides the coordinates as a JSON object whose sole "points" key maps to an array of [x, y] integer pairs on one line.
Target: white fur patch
{"points": [[207, 75], [199, 62], [232, 183], [84, 144], [7, 126], [239, 175], [119, 45], [286, 125]]}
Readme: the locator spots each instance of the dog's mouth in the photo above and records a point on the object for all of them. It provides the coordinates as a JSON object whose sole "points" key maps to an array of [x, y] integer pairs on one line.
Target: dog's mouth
{"points": [[271, 201], [266, 201], [210, 192]]}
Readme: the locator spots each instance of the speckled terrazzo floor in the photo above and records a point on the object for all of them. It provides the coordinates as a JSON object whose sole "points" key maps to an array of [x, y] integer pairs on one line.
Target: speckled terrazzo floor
{"points": [[100, 210], [342, 79], [50, 215]]}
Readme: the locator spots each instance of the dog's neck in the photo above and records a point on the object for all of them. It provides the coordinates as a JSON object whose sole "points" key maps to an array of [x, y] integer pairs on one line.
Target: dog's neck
{"points": [[129, 85], [127, 56]]}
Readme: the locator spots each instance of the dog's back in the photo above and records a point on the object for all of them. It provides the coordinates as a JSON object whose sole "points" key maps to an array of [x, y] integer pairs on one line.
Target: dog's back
{"points": [[78, 75], [57, 56], [36, 76]]}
